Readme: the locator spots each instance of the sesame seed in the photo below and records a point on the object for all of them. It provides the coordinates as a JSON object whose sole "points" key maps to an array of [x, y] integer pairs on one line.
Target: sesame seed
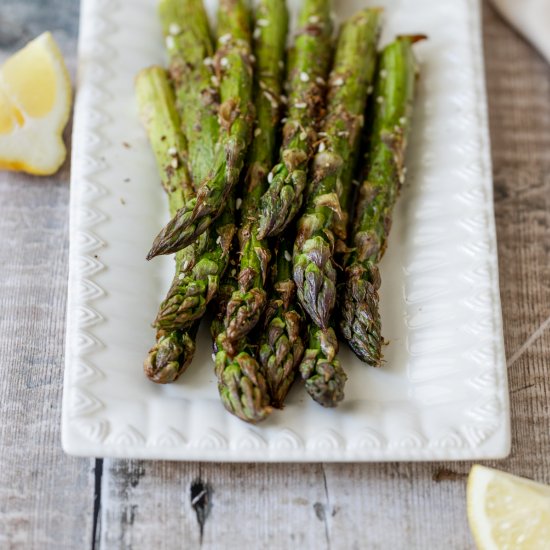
{"points": [[219, 240], [281, 64], [383, 73], [270, 177], [314, 19], [263, 85], [213, 357], [304, 77], [238, 204], [172, 151], [401, 178], [257, 132], [322, 146], [380, 99], [339, 82], [262, 23], [322, 134], [181, 276], [320, 80], [233, 272], [402, 120], [185, 267], [397, 128], [288, 257], [252, 58], [170, 42], [214, 80], [284, 99], [174, 163], [257, 33], [284, 119], [355, 182], [174, 28], [370, 89], [224, 62], [343, 133], [224, 39], [301, 105], [303, 136], [208, 61]]}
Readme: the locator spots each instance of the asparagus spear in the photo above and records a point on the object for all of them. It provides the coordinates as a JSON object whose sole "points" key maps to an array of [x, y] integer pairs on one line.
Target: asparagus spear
{"points": [[171, 355], [248, 302], [189, 44], [354, 65], [173, 351], [385, 174], [233, 67], [323, 375], [241, 384], [309, 65], [280, 341], [192, 290]]}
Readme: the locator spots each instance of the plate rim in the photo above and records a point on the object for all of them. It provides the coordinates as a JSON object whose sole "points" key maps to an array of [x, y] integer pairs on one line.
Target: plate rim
{"points": [[83, 438]]}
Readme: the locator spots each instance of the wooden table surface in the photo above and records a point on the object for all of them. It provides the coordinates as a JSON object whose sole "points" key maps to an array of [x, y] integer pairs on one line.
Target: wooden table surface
{"points": [[50, 500]]}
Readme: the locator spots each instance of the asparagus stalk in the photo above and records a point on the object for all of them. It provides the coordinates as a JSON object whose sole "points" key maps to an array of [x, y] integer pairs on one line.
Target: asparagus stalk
{"points": [[241, 384], [322, 373], [385, 174], [248, 301], [171, 355], [194, 288], [280, 341], [173, 351], [233, 68], [190, 49], [309, 65], [354, 65]]}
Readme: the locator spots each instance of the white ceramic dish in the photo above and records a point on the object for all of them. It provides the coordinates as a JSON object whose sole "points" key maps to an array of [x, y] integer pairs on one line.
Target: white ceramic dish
{"points": [[443, 392]]}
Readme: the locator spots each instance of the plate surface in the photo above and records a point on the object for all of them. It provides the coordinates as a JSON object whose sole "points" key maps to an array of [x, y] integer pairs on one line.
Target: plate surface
{"points": [[442, 394]]}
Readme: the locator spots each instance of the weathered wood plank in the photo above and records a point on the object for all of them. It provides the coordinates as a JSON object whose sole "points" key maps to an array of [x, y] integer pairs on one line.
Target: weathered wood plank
{"points": [[45, 496]]}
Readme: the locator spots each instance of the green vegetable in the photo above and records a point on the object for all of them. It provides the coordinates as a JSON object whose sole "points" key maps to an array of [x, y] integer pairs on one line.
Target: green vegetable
{"points": [[248, 302], [333, 165], [308, 69], [393, 92]]}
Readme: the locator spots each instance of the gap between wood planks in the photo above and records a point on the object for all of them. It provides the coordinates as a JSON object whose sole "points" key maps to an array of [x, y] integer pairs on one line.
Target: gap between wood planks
{"points": [[96, 524]]}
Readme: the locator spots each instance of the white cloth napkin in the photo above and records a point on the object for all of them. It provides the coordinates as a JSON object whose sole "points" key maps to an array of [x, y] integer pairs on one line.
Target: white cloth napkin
{"points": [[531, 18]]}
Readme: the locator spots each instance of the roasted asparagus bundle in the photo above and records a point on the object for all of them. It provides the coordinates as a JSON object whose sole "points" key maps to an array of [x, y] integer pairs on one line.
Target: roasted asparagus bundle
{"points": [[214, 122], [384, 176]]}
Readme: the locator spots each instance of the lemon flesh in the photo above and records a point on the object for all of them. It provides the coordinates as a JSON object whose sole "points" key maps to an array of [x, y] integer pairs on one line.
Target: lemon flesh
{"points": [[507, 512], [35, 102]]}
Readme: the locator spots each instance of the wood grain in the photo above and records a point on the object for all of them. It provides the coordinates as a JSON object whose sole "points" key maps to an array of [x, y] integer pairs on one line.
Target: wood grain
{"points": [[47, 499]]}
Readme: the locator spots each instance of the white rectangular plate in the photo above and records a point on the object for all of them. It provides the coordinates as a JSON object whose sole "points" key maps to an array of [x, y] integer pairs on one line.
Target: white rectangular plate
{"points": [[442, 394]]}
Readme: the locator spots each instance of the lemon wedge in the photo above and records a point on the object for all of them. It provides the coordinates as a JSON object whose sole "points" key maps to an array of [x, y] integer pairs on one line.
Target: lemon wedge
{"points": [[507, 512], [35, 102]]}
